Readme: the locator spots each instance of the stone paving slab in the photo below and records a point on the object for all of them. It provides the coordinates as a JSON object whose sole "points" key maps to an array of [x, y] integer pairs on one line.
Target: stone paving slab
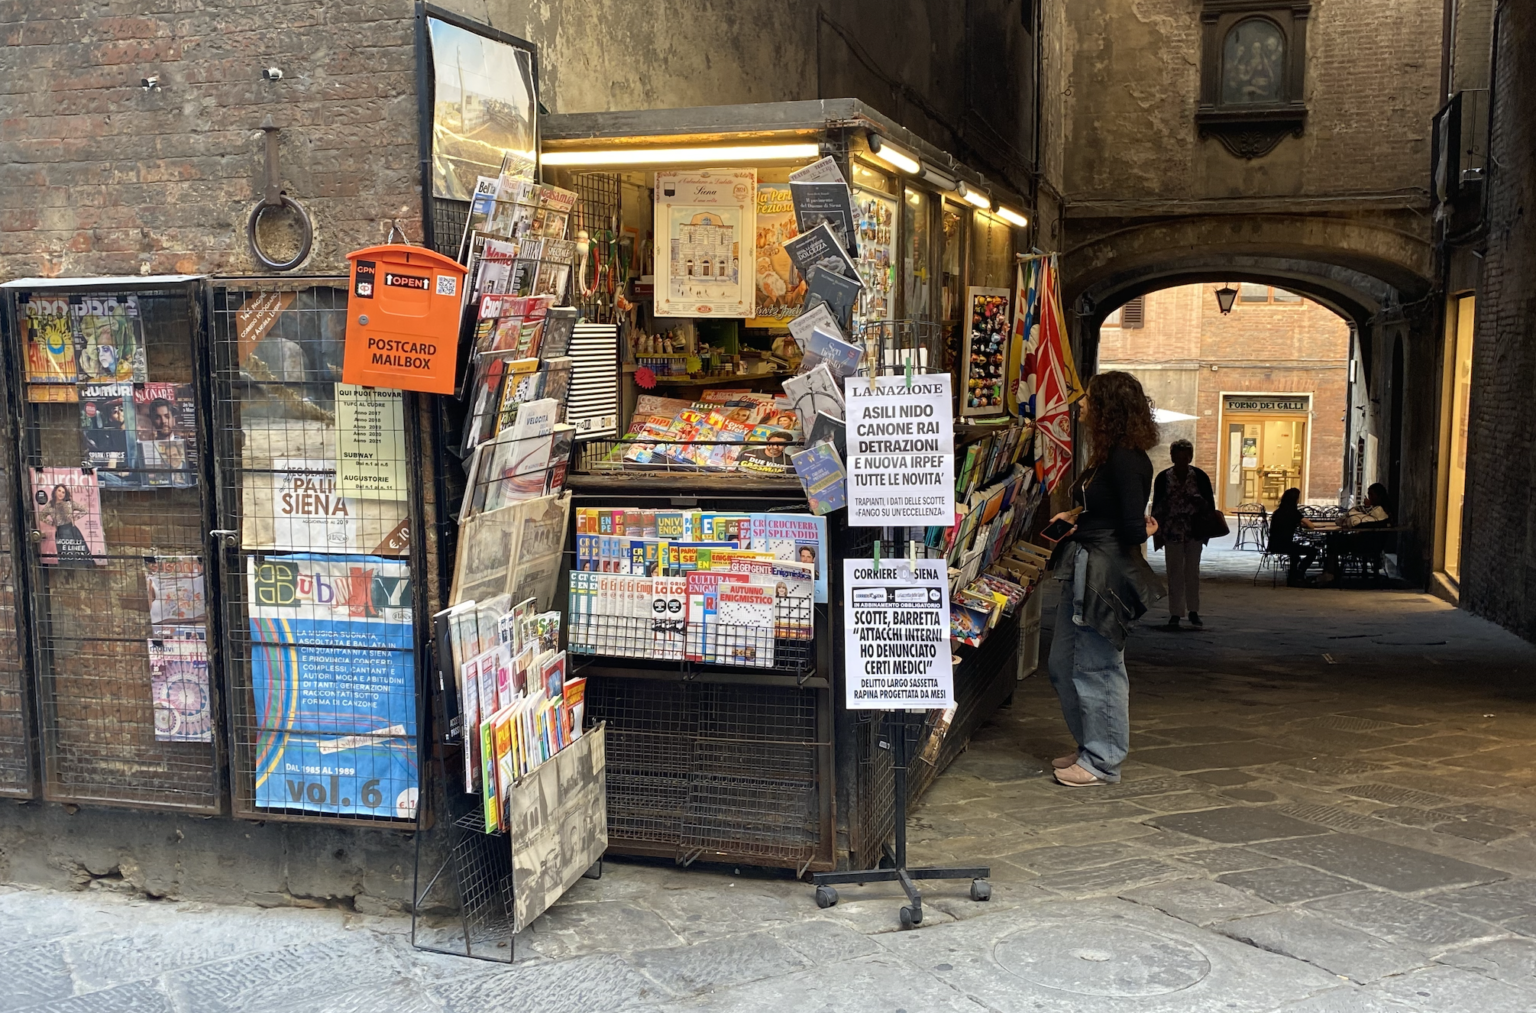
{"points": [[1512, 961], [1198, 901], [878, 983], [1453, 990], [1400, 920], [1236, 825], [1288, 884], [1221, 755], [718, 963], [1379, 863], [1324, 944]]}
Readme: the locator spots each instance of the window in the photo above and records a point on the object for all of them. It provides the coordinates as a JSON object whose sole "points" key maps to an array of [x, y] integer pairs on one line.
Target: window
{"points": [[1134, 313], [1249, 292], [1281, 295], [1251, 77]]}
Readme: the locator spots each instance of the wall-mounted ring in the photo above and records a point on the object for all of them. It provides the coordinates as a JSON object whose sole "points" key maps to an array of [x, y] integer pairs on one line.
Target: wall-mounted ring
{"points": [[306, 226]]}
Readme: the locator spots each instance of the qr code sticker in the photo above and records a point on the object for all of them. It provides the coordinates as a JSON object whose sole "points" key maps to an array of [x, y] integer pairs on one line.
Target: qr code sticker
{"points": [[447, 284]]}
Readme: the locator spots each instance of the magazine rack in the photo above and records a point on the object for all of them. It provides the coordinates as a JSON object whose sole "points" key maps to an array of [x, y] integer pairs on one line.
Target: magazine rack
{"points": [[491, 886], [894, 867], [631, 455]]}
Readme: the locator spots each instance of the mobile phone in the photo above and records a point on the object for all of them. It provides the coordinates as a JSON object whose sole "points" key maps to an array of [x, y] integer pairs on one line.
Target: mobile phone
{"points": [[1056, 530]]}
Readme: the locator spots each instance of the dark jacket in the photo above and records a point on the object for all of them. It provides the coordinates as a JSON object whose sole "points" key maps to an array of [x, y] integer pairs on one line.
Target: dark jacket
{"points": [[1119, 588], [1160, 503]]}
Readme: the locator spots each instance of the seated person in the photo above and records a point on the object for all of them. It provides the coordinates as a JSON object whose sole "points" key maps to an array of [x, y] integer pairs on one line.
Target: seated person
{"points": [[1282, 536], [1376, 509]]}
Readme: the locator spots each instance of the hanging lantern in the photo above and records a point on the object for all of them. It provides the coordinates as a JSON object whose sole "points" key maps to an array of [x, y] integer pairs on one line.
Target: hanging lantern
{"points": [[1225, 296]]}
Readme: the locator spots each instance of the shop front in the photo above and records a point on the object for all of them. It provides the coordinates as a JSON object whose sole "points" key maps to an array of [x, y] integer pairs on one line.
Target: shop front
{"points": [[1264, 449]]}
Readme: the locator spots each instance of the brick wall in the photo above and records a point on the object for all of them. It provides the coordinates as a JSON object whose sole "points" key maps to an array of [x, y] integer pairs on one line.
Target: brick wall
{"points": [[100, 176], [1498, 576], [1260, 347]]}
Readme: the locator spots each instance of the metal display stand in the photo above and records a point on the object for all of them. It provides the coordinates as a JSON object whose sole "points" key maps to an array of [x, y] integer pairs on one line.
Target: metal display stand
{"points": [[894, 866]]}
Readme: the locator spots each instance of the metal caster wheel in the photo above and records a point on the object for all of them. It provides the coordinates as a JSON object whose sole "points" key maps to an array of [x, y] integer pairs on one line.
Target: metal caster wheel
{"points": [[981, 890], [907, 921], [826, 896]]}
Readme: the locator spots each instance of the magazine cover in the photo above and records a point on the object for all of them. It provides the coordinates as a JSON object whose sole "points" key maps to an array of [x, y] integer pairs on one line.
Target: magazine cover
{"points": [[109, 340], [333, 677], [178, 678], [48, 334], [105, 409], [66, 503], [780, 288], [706, 219], [822, 476], [165, 420], [801, 537], [176, 592]]}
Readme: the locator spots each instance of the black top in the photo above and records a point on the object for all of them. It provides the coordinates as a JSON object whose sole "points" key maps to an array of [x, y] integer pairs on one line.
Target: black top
{"points": [[1116, 496], [1282, 525]]}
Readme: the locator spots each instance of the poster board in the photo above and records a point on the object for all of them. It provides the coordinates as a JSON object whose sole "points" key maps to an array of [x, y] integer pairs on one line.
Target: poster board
{"points": [[780, 290], [557, 824], [901, 451], [706, 224], [896, 635], [986, 352]]}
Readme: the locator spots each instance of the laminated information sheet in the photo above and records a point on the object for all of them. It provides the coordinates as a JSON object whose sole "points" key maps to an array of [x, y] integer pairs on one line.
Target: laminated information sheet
{"points": [[896, 635], [901, 451]]}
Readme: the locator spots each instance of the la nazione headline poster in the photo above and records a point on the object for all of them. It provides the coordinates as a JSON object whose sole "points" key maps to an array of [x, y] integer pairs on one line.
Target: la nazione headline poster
{"points": [[707, 219], [334, 684]]}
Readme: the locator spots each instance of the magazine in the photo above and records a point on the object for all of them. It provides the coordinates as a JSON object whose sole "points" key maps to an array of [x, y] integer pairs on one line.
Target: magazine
{"points": [[839, 356], [48, 333], [109, 340], [819, 316], [822, 476], [67, 508], [178, 678], [166, 423], [109, 448], [176, 592], [839, 294], [780, 287]]}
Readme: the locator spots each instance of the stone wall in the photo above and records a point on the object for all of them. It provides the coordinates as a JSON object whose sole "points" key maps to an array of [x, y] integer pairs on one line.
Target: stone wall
{"points": [[1499, 551]]}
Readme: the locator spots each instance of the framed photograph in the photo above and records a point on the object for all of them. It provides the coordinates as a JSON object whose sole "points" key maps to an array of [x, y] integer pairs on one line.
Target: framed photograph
{"points": [[986, 352], [484, 105]]}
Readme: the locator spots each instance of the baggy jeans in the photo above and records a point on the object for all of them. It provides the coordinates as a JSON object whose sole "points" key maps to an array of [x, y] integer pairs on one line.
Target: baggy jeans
{"points": [[1183, 575], [1089, 676]]}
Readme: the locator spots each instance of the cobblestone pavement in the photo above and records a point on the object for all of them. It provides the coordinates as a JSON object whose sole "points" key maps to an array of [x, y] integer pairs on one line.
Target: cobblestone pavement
{"points": [[1328, 808]]}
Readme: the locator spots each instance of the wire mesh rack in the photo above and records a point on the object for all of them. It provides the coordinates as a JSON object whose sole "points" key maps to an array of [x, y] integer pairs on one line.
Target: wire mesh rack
{"points": [[713, 771], [600, 275], [448, 218], [466, 907], [317, 589], [781, 639], [16, 768], [113, 442], [750, 459], [897, 342]]}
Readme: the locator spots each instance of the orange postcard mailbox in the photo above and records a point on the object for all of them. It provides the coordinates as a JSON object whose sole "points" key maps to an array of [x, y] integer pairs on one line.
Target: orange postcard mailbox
{"points": [[403, 319]]}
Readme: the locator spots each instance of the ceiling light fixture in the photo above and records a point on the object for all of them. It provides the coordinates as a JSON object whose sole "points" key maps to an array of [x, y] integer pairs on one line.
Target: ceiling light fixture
{"points": [[684, 156], [1010, 215], [893, 156]]}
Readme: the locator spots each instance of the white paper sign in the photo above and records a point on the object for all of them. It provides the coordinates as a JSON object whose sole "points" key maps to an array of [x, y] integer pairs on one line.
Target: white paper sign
{"points": [[901, 452], [896, 635]]}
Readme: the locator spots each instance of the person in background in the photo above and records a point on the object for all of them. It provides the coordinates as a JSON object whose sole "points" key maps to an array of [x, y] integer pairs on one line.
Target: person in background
{"points": [[1182, 504], [1106, 582], [1377, 508], [1283, 524]]}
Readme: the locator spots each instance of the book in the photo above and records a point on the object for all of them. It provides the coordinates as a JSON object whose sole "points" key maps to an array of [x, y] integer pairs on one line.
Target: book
{"points": [[839, 294], [109, 341], [104, 412], [818, 316], [825, 204], [818, 250], [816, 390], [178, 677], [48, 334], [822, 477], [829, 429], [176, 592], [66, 505], [165, 424], [966, 624]]}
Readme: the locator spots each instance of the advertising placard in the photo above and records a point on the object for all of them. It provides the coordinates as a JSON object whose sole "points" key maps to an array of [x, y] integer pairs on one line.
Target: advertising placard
{"points": [[896, 635], [901, 448]]}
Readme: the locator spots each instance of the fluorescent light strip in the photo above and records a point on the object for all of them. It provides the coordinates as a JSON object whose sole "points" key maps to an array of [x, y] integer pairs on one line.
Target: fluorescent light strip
{"points": [[977, 198], [1010, 215], [895, 157], [684, 156]]}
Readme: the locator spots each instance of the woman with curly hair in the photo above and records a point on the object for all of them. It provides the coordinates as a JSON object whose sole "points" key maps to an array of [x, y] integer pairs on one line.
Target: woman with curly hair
{"points": [[1106, 582]]}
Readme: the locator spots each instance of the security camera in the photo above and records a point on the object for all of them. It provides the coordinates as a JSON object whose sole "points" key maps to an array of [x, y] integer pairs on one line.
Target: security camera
{"points": [[272, 74], [150, 83]]}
